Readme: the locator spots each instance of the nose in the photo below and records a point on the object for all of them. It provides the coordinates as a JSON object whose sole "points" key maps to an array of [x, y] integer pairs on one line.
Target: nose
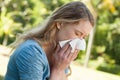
{"points": [[82, 37]]}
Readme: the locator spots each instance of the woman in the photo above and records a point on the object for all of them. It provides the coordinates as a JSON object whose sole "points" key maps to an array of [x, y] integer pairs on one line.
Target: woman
{"points": [[39, 56]]}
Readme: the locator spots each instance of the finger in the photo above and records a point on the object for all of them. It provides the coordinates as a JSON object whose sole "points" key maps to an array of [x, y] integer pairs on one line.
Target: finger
{"points": [[57, 49], [68, 51], [70, 56], [75, 54], [64, 48]]}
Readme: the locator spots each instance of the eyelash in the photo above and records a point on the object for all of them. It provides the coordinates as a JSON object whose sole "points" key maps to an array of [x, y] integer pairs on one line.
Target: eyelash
{"points": [[78, 34]]}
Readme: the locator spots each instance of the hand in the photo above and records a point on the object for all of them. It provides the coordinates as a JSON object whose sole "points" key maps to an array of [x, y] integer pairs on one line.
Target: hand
{"points": [[63, 56], [61, 60]]}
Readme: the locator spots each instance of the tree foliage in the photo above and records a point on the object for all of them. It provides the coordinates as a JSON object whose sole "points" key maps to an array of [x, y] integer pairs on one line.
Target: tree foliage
{"points": [[107, 37], [18, 16]]}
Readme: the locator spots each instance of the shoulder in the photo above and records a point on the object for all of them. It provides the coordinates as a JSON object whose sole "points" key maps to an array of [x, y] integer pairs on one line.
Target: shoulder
{"points": [[31, 60], [30, 50], [30, 45]]}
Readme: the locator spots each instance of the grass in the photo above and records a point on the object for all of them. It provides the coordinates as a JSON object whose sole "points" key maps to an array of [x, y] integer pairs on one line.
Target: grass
{"points": [[1, 77], [101, 65]]}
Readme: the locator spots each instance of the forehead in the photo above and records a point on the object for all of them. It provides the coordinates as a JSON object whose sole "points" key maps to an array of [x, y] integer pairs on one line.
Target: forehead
{"points": [[84, 24], [81, 25]]}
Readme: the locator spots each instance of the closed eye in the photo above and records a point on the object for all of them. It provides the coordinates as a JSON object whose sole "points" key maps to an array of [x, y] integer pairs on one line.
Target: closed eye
{"points": [[78, 33]]}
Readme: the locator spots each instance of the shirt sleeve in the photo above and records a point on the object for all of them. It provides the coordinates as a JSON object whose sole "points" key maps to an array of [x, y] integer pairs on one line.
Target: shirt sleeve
{"points": [[30, 64]]}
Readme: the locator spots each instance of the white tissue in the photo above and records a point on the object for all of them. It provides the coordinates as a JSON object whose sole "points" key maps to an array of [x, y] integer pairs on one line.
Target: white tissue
{"points": [[77, 43]]}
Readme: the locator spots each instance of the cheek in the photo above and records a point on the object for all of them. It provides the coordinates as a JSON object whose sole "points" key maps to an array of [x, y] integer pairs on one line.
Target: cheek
{"points": [[64, 35]]}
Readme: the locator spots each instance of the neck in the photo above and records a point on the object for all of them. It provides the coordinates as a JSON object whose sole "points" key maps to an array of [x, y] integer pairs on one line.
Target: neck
{"points": [[49, 50]]}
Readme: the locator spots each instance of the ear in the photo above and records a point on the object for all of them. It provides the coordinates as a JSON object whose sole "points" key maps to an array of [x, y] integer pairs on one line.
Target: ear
{"points": [[59, 25]]}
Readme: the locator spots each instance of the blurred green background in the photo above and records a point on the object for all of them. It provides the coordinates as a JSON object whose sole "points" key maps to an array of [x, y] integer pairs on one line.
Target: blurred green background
{"points": [[18, 16]]}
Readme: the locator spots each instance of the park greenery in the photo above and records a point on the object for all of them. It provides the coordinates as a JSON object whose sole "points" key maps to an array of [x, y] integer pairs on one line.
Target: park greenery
{"points": [[18, 16]]}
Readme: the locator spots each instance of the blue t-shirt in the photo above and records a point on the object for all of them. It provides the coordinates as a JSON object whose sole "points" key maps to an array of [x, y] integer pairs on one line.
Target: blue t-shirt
{"points": [[28, 62]]}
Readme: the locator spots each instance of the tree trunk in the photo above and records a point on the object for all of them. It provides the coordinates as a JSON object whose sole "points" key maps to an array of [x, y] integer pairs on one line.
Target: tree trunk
{"points": [[5, 40], [91, 37]]}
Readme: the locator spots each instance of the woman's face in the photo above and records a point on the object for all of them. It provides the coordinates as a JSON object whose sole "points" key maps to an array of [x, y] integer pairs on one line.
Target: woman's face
{"points": [[73, 30]]}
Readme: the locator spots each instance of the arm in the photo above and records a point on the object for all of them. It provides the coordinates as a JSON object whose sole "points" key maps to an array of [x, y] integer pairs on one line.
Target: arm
{"points": [[58, 75], [30, 64], [61, 60]]}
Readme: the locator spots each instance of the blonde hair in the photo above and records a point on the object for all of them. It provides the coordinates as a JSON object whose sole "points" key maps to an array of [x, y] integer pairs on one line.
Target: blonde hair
{"points": [[46, 33]]}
